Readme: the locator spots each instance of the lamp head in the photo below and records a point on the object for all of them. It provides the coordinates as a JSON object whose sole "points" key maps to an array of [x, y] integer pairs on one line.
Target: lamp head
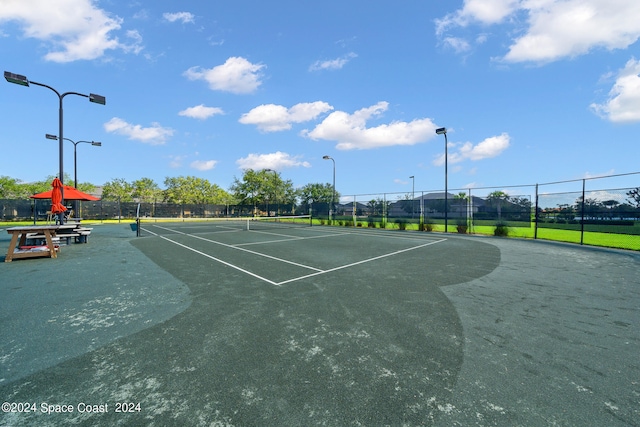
{"points": [[49, 136], [326, 157], [16, 78], [441, 131], [96, 144], [98, 99]]}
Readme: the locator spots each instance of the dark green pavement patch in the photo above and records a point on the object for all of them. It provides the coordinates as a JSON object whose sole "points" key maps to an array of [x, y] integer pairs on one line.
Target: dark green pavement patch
{"points": [[374, 344]]}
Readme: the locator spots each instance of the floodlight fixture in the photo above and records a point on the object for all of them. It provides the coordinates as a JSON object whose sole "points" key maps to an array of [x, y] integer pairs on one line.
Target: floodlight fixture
{"points": [[16, 78], [97, 99], [441, 131]]}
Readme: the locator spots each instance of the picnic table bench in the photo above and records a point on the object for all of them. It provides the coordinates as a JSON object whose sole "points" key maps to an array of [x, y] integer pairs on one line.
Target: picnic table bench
{"points": [[80, 234], [18, 247]]}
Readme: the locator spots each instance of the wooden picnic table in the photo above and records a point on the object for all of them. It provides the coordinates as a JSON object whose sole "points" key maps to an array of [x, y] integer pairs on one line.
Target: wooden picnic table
{"points": [[19, 239]]}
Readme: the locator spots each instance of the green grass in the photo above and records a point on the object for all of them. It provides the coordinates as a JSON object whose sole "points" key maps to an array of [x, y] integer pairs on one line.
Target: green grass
{"points": [[591, 238]]}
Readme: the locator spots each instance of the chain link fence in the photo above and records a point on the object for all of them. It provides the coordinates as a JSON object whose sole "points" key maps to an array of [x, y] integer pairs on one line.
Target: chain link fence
{"points": [[594, 211]]}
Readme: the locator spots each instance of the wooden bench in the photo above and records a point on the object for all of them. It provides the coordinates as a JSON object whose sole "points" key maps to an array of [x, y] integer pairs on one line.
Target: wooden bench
{"points": [[36, 239], [80, 234]]}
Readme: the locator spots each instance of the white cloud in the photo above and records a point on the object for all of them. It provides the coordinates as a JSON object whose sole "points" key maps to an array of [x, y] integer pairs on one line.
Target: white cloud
{"points": [[490, 147], [275, 161], [332, 64], [554, 29], [351, 132], [459, 45], [486, 12], [623, 105], [200, 112], [154, 135], [71, 29], [203, 165], [236, 75], [184, 17], [273, 118]]}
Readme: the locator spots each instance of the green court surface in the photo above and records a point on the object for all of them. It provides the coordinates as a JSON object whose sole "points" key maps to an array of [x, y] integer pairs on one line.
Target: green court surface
{"points": [[195, 325]]}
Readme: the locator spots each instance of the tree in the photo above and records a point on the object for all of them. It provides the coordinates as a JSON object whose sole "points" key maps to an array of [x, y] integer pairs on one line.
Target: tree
{"points": [[262, 187], [118, 189], [634, 196], [191, 189], [146, 190], [316, 193], [10, 188], [498, 199]]}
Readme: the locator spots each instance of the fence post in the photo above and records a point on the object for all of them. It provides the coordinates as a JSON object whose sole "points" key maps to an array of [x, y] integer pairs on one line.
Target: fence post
{"points": [[535, 216], [582, 213], [470, 212], [421, 226]]}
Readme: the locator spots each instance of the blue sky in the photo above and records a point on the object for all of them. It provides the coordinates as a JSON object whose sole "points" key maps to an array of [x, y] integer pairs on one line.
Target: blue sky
{"points": [[529, 90]]}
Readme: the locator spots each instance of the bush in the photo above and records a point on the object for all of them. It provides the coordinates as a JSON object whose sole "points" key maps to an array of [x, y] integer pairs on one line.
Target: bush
{"points": [[402, 223], [501, 230]]}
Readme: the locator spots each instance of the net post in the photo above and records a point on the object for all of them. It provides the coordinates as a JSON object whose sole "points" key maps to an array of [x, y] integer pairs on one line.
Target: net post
{"points": [[137, 226]]}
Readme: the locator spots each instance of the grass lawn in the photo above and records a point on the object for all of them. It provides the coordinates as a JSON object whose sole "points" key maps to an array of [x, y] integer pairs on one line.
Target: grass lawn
{"points": [[609, 240]]}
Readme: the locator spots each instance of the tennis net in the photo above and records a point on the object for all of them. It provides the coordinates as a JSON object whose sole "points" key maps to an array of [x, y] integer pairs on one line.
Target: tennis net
{"points": [[158, 225]]}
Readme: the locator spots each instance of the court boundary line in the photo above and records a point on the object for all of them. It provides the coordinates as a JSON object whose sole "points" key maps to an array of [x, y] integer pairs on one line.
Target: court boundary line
{"points": [[243, 249], [216, 259], [318, 271]]}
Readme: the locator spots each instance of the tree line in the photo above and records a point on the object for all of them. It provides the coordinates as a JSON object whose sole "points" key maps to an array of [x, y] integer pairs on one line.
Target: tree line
{"points": [[253, 188]]}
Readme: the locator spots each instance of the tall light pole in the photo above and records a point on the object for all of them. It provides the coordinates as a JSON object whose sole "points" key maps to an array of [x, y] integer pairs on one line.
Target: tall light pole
{"points": [[75, 154], [443, 131], [413, 195], [98, 99], [333, 190]]}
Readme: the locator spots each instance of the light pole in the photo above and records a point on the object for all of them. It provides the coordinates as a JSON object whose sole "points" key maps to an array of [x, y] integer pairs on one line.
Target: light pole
{"points": [[333, 190], [413, 195], [75, 154], [443, 131], [98, 99]]}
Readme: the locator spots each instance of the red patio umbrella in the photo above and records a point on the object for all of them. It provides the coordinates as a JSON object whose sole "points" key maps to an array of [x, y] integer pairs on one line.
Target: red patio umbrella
{"points": [[70, 193], [56, 197]]}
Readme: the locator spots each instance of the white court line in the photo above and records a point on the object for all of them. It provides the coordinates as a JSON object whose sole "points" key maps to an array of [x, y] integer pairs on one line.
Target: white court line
{"points": [[359, 262], [246, 250], [291, 238], [317, 273], [216, 259]]}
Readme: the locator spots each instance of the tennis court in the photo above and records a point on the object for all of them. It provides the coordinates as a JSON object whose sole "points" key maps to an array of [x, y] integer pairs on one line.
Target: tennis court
{"points": [[224, 323]]}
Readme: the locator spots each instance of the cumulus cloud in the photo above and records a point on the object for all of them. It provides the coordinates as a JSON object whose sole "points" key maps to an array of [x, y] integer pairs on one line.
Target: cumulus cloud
{"points": [[486, 12], [623, 104], [554, 29], [350, 131], [203, 165], [332, 64], [273, 118], [154, 135], [72, 30], [275, 161], [490, 147], [236, 75], [184, 17], [200, 112]]}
